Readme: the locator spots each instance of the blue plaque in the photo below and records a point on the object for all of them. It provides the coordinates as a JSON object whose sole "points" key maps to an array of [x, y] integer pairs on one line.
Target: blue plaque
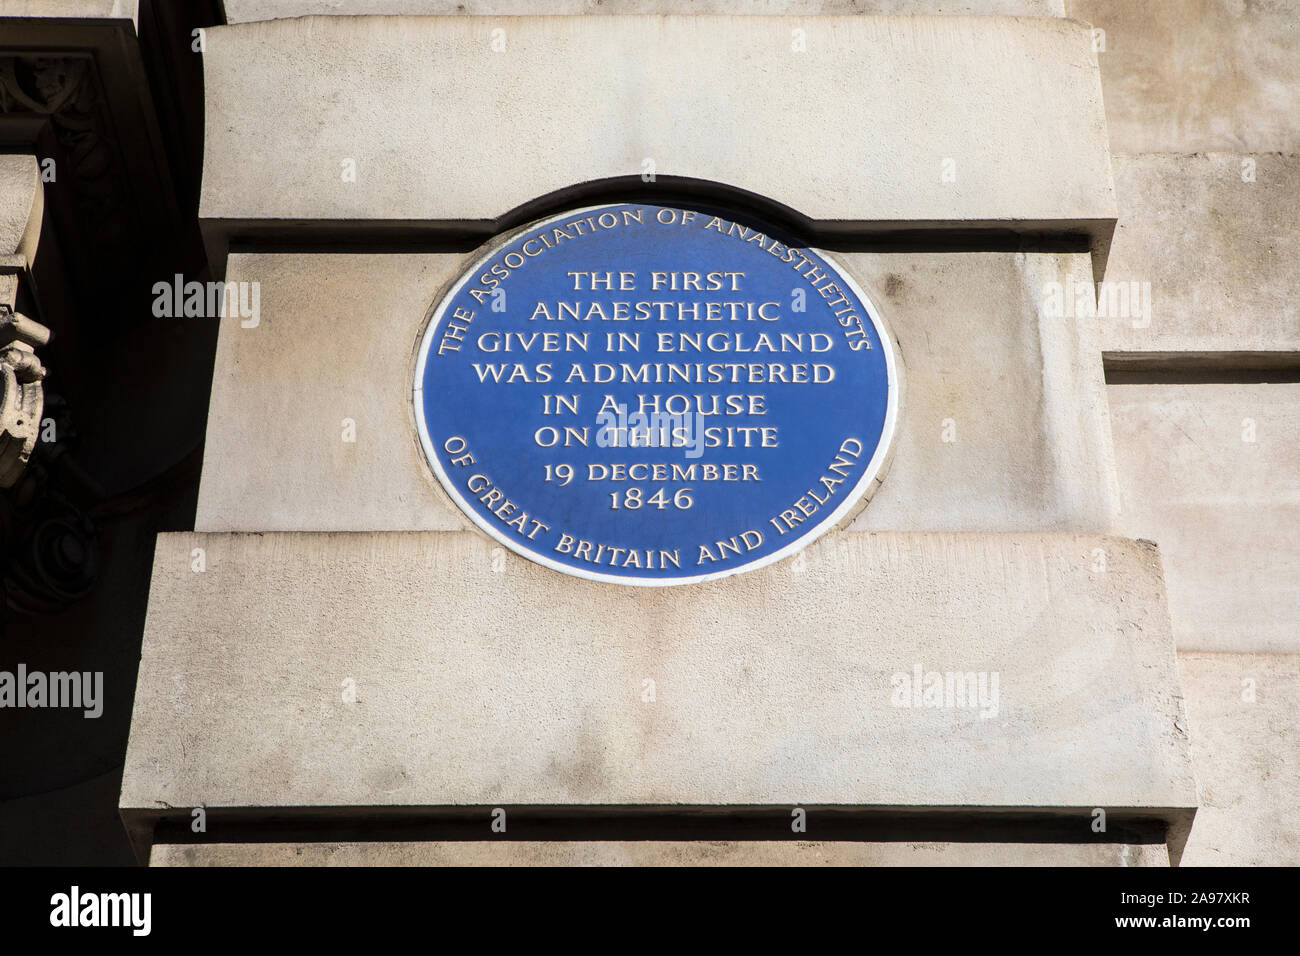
{"points": [[652, 395]]}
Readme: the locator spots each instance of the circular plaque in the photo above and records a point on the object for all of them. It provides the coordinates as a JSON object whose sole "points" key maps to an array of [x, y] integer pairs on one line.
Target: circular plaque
{"points": [[654, 395]]}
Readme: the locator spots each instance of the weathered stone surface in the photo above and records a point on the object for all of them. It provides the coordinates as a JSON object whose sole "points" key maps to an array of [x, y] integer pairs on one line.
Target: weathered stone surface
{"points": [[1004, 424], [656, 853], [1185, 77], [1217, 251], [1247, 755], [1209, 473], [337, 335], [72, 9], [21, 205], [335, 340], [443, 128], [483, 679], [242, 11]]}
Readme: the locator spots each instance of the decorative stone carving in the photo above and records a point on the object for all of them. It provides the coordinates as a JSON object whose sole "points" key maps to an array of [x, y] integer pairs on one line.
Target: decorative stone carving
{"points": [[21, 399]]}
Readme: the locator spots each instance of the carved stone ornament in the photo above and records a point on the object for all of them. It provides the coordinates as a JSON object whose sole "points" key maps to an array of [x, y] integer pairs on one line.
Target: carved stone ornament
{"points": [[21, 398]]}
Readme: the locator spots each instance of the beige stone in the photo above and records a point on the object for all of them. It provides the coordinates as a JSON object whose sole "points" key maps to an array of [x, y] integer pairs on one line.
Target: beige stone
{"points": [[336, 339], [21, 207], [1247, 754], [1217, 252], [72, 9], [856, 130], [242, 11], [1190, 76], [1209, 472], [480, 679], [659, 853], [1005, 424]]}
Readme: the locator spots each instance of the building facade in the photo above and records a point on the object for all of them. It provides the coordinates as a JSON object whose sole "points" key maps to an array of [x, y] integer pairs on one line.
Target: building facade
{"points": [[1053, 620]]}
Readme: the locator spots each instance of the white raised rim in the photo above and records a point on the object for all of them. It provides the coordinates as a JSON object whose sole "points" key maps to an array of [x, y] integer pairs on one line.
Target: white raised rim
{"points": [[858, 496]]}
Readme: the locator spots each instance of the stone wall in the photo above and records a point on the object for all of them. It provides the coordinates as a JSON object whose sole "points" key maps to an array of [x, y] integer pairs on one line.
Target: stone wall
{"points": [[1203, 111], [1149, 146]]}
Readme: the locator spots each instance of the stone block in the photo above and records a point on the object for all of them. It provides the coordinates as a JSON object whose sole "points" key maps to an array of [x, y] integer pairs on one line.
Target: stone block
{"points": [[1216, 252], [658, 853], [243, 11], [430, 670], [1191, 76], [21, 206], [72, 9], [336, 337], [441, 127], [1247, 756], [1209, 473]]}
